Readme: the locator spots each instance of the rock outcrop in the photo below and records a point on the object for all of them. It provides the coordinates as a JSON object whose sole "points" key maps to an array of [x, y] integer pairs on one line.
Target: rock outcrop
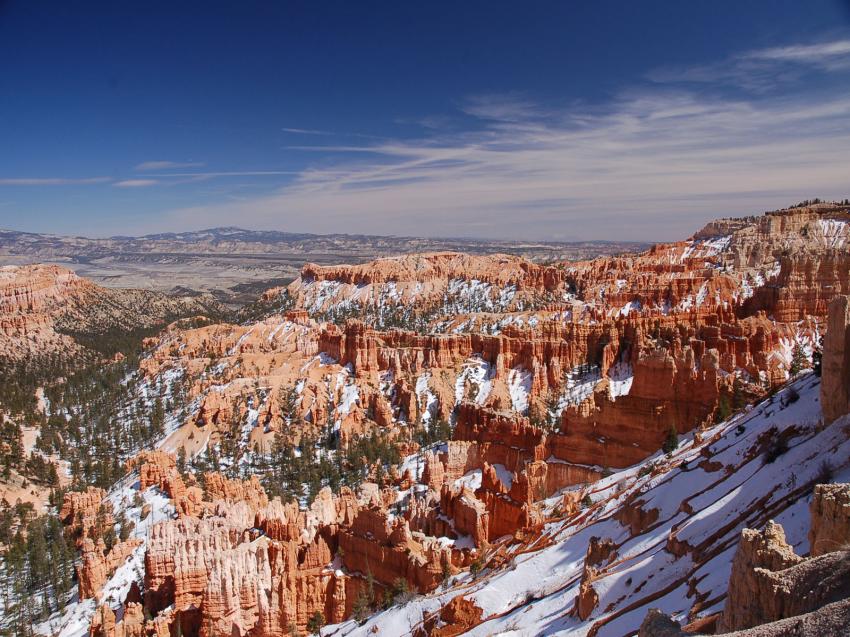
{"points": [[98, 564], [544, 377], [830, 515], [774, 592], [835, 373], [759, 553], [84, 514], [42, 305]]}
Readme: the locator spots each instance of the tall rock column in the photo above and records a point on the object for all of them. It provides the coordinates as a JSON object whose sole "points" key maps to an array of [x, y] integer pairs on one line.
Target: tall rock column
{"points": [[830, 512], [747, 598], [835, 381]]}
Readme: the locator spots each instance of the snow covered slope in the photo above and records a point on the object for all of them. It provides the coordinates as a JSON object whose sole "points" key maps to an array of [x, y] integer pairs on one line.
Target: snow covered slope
{"points": [[674, 522]]}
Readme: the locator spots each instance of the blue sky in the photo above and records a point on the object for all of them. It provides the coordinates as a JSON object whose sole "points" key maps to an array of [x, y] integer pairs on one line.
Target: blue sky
{"points": [[535, 120]]}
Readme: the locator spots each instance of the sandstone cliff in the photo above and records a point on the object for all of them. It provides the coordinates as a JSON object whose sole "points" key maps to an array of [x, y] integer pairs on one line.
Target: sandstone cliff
{"points": [[44, 308], [557, 386]]}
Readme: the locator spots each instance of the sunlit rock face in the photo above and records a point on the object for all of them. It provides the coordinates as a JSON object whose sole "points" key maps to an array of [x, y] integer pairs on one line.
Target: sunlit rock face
{"points": [[605, 427]]}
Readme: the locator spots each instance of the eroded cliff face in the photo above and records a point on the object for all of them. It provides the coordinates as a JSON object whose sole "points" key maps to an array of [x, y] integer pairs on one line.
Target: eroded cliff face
{"points": [[548, 379], [28, 295], [43, 306], [245, 565], [835, 390], [237, 564], [780, 592]]}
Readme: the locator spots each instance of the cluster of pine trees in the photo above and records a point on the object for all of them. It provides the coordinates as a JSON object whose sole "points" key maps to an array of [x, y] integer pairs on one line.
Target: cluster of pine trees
{"points": [[38, 570], [95, 418], [98, 420]]}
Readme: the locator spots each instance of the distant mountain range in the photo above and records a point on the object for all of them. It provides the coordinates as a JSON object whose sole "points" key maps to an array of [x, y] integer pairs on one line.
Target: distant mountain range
{"points": [[236, 264]]}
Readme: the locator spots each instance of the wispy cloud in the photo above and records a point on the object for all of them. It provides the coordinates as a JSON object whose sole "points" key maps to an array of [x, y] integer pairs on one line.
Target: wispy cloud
{"points": [[52, 181], [135, 183], [328, 133], [653, 163], [167, 165], [821, 54], [204, 176], [306, 131], [763, 70]]}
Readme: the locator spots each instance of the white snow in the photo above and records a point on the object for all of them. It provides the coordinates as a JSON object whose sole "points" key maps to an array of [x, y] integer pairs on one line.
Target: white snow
{"points": [[620, 379], [428, 405], [578, 387], [628, 308], [531, 595], [519, 387], [478, 372], [834, 232], [350, 396], [471, 480]]}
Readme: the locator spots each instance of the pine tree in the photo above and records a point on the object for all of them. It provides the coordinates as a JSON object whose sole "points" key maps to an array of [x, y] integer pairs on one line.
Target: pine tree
{"points": [[798, 360], [723, 409], [671, 442], [817, 358], [315, 623]]}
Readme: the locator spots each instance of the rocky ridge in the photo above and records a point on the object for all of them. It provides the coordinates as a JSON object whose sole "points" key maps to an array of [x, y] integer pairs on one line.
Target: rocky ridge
{"points": [[560, 385], [44, 310]]}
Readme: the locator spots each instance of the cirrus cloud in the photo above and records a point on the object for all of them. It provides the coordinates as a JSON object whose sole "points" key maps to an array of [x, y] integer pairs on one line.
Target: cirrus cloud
{"points": [[652, 163], [52, 181], [167, 165], [135, 183]]}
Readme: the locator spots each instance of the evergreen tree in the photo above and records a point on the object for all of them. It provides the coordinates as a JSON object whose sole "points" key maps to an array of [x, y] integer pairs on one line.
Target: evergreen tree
{"points": [[798, 360], [315, 623], [723, 409], [671, 442]]}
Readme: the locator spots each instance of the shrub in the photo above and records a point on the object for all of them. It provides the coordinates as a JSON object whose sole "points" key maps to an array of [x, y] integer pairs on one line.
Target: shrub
{"points": [[477, 566], [315, 623], [798, 360], [791, 396], [776, 446], [645, 470], [445, 573], [723, 410], [400, 591], [671, 442], [362, 607], [825, 473]]}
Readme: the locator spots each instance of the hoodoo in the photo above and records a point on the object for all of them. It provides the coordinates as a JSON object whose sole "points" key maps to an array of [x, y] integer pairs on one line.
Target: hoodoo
{"points": [[441, 444]]}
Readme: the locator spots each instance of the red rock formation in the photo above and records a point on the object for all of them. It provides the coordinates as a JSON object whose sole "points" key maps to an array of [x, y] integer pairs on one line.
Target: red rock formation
{"points": [[220, 575], [670, 330], [98, 564], [439, 267], [667, 391], [37, 299], [598, 552], [28, 295], [835, 374], [132, 622], [758, 551], [154, 467], [830, 515], [388, 552], [457, 617], [468, 513], [248, 491], [82, 514]]}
